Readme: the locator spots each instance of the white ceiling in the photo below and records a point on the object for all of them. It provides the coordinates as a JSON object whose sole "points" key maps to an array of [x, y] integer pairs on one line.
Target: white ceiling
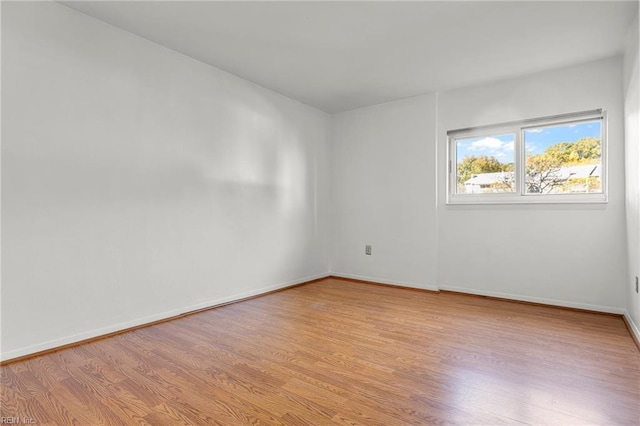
{"points": [[338, 56]]}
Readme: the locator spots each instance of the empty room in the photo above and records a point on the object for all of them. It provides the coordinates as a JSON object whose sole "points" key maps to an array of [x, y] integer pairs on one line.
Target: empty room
{"points": [[320, 212]]}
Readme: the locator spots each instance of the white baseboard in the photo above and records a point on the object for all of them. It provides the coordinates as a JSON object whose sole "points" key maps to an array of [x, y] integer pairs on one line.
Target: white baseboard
{"points": [[634, 328], [385, 281], [508, 296], [96, 333], [52, 344], [541, 300]]}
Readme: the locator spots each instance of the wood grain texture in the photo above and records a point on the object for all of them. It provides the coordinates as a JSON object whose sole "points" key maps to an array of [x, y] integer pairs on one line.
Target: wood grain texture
{"points": [[627, 322], [346, 353], [160, 321]]}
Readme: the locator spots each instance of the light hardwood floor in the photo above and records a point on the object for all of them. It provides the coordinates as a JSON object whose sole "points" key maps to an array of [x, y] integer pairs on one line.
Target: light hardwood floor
{"points": [[341, 352]]}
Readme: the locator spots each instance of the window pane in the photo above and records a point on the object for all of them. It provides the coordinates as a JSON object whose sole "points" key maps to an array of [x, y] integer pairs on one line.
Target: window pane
{"points": [[563, 159], [485, 165]]}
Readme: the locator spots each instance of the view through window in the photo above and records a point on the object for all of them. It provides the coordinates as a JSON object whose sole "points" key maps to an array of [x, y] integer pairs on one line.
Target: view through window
{"points": [[485, 164], [563, 159], [555, 159]]}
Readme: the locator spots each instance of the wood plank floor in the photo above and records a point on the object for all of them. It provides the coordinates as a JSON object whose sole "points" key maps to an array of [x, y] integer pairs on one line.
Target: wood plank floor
{"points": [[341, 352]]}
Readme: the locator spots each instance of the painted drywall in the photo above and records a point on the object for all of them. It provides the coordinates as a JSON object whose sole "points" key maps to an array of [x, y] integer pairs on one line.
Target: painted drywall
{"points": [[138, 183], [383, 187], [632, 168], [571, 255], [383, 193]]}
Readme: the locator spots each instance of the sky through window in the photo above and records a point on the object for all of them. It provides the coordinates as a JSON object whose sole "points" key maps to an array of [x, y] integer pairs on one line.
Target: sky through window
{"points": [[501, 147]]}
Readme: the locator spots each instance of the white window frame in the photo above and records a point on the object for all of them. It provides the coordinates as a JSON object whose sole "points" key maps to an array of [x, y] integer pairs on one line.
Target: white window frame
{"points": [[519, 196]]}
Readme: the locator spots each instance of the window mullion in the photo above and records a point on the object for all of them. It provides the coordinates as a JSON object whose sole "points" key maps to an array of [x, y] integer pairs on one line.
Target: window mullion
{"points": [[519, 166]]}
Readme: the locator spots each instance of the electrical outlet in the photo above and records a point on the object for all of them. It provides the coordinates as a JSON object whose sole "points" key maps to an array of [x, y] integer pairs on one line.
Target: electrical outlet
{"points": [[636, 284], [367, 250]]}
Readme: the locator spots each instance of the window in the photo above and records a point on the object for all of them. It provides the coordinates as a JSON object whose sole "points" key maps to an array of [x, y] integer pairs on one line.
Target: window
{"points": [[545, 160]]}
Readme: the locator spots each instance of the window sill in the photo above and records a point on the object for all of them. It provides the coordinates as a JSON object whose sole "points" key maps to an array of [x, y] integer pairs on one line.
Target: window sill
{"points": [[527, 199]]}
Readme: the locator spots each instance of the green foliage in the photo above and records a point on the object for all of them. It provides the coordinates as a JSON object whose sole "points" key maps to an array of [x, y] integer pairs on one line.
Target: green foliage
{"points": [[583, 151], [482, 164], [543, 170], [590, 184], [543, 173]]}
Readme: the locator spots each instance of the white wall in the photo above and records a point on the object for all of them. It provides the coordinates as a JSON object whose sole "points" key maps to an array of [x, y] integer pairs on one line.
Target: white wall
{"points": [[138, 183], [632, 167], [571, 255], [383, 193]]}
